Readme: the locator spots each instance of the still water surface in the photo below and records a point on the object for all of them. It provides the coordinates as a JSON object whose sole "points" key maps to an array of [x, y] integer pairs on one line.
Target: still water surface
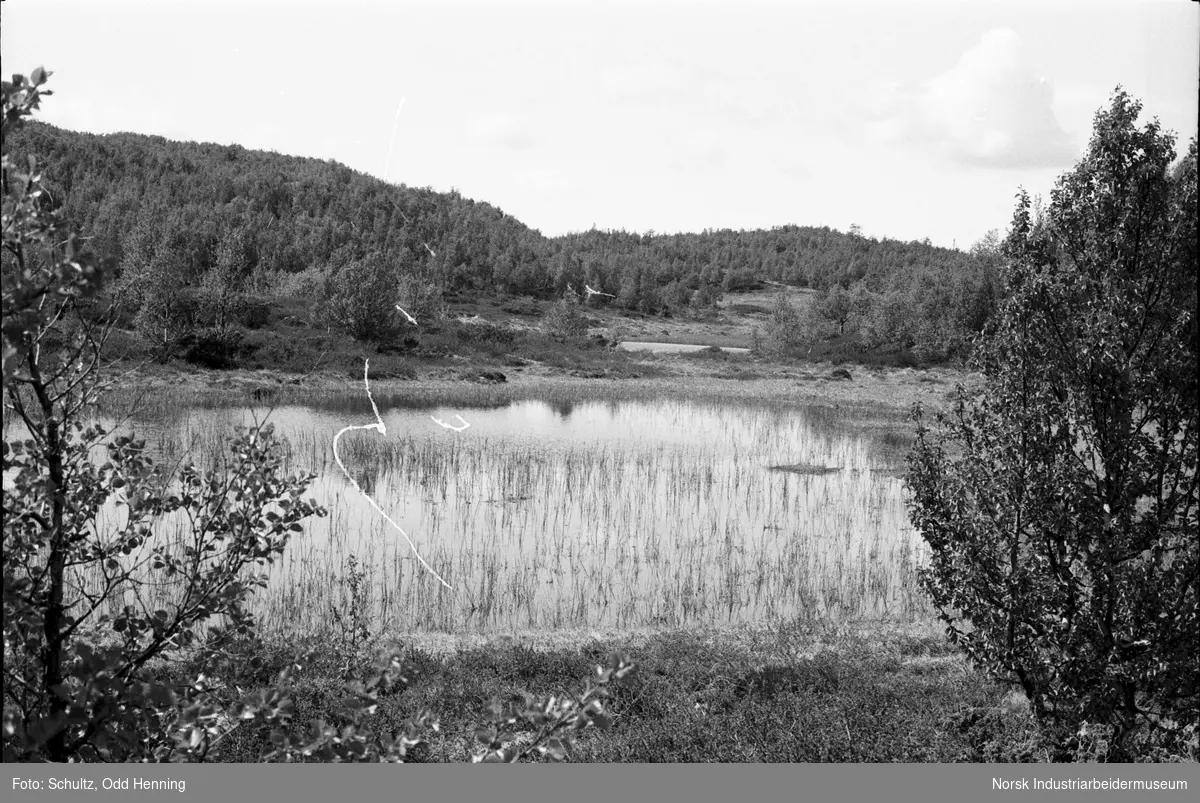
{"points": [[674, 348]]}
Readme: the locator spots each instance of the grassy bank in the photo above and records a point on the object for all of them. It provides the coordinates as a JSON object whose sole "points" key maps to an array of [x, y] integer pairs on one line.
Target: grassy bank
{"points": [[889, 392], [804, 692]]}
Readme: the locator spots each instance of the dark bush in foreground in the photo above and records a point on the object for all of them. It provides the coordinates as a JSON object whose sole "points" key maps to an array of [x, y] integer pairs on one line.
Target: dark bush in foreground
{"points": [[1060, 505]]}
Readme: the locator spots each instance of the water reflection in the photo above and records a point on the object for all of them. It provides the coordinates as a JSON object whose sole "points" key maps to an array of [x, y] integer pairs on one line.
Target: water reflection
{"points": [[563, 408]]}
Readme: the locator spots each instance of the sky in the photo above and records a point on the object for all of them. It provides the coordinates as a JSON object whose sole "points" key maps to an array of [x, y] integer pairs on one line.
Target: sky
{"points": [[911, 120]]}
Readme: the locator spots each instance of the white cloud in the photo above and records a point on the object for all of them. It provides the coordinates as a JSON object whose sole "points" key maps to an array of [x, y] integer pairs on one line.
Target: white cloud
{"points": [[990, 109]]}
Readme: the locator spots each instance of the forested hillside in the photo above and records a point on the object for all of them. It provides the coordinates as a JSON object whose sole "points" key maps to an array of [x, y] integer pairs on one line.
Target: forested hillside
{"points": [[182, 218]]}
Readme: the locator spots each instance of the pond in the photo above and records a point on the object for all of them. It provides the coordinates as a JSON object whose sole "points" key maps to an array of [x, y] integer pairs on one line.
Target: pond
{"points": [[674, 348], [615, 514]]}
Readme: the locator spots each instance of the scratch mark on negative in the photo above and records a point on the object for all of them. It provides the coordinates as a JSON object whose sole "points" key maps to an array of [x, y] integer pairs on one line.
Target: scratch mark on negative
{"points": [[451, 426], [379, 427]]}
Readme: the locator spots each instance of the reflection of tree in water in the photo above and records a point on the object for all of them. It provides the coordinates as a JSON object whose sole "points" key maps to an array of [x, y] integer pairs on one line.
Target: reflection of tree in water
{"points": [[366, 475], [362, 461], [563, 408]]}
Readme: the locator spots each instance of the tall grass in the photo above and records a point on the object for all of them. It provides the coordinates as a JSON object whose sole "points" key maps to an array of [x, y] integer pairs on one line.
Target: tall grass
{"points": [[624, 514]]}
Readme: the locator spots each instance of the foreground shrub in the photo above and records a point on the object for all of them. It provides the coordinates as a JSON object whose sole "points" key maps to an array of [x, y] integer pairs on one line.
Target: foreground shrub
{"points": [[1061, 505]]}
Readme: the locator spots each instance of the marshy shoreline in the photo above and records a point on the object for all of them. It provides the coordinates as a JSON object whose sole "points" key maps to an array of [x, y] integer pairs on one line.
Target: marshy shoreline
{"points": [[798, 690], [798, 438]]}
